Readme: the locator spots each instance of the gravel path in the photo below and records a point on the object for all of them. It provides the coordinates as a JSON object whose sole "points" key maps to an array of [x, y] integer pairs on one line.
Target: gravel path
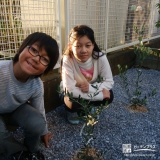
{"points": [[117, 126]]}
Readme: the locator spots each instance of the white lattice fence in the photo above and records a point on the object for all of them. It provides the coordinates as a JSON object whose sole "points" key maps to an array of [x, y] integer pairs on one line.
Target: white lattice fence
{"points": [[19, 18], [89, 12], [113, 20], [117, 18]]}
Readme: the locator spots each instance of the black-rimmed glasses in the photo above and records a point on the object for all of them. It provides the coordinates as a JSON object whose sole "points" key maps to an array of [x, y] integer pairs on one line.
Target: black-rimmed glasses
{"points": [[35, 53]]}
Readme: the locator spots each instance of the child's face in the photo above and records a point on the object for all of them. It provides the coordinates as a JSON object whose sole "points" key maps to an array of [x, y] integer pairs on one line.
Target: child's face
{"points": [[82, 49], [31, 65]]}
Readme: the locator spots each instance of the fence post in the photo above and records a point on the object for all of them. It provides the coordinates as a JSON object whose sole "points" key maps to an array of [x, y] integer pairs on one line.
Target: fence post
{"points": [[106, 26]]}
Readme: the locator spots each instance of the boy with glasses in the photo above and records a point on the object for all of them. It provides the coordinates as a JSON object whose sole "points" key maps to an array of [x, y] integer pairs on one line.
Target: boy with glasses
{"points": [[22, 93]]}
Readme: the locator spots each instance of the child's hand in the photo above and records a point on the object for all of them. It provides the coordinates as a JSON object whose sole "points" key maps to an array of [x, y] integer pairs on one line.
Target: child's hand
{"points": [[106, 94], [84, 86], [45, 138]]}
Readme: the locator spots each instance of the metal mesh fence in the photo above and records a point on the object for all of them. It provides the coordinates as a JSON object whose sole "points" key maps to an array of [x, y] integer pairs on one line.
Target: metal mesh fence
{"points": [[113, 20], [19, 18], [89, 12]]}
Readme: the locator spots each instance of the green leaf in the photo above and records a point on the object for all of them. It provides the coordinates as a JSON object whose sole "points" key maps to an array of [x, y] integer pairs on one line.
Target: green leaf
{"points": [[96, 93], [94, 86], [154, 92]]}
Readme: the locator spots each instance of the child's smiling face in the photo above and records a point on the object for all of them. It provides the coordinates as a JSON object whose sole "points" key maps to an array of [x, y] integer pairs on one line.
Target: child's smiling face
{"points": [[31, 65], [82, 48]]}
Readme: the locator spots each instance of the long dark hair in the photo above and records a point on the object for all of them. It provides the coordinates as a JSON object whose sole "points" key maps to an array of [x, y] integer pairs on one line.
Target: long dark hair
{"points": [[45, 41], [78, 32]]}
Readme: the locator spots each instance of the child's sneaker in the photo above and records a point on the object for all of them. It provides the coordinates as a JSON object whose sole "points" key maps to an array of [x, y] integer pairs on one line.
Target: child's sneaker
{"points": [[36, 156], [73, 117]]}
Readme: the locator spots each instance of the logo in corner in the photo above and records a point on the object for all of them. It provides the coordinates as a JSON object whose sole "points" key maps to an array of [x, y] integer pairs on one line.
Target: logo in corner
{"points": [[126, 148]]}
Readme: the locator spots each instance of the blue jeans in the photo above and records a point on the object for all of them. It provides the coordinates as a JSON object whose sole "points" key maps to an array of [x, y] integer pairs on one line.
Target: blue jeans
{"points": [[30, 120]]}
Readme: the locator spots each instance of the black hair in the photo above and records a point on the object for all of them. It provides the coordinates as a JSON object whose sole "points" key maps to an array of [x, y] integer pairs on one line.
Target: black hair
{"points": [[44, 41], [80, 31]]}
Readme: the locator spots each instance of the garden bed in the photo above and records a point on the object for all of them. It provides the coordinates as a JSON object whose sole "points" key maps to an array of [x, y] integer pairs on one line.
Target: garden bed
{"points": [[121, 133]]}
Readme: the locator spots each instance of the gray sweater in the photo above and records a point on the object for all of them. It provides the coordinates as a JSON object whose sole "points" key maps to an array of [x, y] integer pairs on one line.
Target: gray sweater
{"points": [[14, 93]]}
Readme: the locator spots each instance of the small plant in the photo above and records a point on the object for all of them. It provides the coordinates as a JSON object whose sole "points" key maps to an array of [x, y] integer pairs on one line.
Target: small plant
{"points": [[11, 30], [141, 51], [90, 118], [137, 100], [158, 22]]}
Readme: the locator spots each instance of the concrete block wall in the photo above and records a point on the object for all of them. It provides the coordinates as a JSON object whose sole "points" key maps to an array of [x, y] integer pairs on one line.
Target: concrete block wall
{"points": [[125, 57], [51, 96]]}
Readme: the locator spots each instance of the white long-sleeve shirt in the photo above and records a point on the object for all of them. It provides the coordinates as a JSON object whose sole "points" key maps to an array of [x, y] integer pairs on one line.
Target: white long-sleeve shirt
{"points": [[71, 76]]}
